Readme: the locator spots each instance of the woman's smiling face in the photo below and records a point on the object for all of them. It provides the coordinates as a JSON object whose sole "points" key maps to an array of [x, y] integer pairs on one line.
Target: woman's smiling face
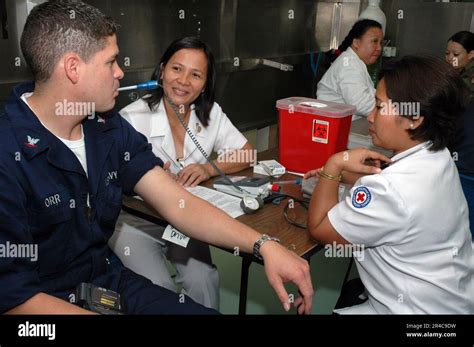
{"points": [[184, 76]]}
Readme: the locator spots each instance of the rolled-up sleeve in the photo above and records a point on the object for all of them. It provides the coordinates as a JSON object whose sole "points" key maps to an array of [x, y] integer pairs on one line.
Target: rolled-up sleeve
{"points": [[138, 158], [19, 279]]}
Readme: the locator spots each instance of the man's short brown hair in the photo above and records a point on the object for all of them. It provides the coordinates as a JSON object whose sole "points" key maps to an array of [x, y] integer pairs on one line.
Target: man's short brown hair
{"points": [[61, 26]]}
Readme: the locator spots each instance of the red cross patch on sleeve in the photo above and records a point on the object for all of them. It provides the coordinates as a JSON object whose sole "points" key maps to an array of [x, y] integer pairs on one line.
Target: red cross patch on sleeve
{"points": [[361, 197]]}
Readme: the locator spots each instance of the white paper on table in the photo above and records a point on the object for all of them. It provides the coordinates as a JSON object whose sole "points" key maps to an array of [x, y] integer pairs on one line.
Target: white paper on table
{"points": [[227, 203]]}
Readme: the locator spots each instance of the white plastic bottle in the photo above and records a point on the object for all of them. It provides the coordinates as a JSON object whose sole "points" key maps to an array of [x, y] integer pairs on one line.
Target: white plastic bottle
{"points": [[374, 12]]}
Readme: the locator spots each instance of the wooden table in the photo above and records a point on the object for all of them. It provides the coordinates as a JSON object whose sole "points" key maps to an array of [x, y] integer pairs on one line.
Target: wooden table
{"points": [[269, 220]]}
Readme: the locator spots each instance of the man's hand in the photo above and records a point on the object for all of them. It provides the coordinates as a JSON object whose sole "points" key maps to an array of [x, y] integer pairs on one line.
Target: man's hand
{"points": [[193, 174], [200, 220], [281, 266]]}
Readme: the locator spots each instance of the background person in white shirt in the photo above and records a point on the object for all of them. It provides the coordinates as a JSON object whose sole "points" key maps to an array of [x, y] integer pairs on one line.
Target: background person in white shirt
{"points": [[186, 72], [347, 80], [411, 217]]}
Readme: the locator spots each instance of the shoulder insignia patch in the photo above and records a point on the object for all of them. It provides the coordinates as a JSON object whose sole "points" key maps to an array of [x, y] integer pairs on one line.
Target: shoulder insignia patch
{"points": [[361, 197]]}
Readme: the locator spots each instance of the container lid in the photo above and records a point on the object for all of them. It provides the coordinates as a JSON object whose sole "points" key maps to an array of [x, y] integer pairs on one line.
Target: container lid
{"points": [[315, 106]]}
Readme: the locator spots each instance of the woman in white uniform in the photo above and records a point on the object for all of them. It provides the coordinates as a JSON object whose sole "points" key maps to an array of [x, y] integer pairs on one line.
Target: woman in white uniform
{"points": [[409, 220], [186, 72], [460, 54], [347, 80]]}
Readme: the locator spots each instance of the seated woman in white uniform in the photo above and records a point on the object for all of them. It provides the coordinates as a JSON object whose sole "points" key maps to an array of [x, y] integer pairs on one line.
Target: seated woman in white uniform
{"points": [[409, 220], [347, 80], [186, 72]]}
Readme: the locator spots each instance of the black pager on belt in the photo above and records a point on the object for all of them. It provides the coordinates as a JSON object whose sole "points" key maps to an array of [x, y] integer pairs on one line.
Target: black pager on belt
{"points": [[98, 299]]}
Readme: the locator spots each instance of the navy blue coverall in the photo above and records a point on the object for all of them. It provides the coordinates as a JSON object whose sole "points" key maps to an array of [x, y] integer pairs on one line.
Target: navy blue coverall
{"points": [[43, 201]]}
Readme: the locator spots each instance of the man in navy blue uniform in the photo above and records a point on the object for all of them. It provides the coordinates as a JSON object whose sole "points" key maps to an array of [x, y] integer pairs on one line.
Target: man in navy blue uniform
{"points": [[63, 170]]}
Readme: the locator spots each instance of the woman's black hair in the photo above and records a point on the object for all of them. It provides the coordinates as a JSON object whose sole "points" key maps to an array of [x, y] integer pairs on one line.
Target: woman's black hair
{"points": [[436, 87], [357, 31], [465, 39], [203, 104]]}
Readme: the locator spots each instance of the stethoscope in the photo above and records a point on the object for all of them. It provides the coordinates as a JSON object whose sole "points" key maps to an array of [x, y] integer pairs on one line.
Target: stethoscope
{"points": [[426, 145], [249, 203]]}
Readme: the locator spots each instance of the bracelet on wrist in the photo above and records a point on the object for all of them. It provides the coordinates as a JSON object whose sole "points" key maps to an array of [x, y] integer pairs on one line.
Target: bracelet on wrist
{"points": [[328, 176]]}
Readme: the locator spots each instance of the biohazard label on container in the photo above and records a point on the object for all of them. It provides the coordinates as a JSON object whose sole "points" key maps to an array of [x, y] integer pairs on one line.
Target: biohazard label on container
{"points": [[320, 131]]}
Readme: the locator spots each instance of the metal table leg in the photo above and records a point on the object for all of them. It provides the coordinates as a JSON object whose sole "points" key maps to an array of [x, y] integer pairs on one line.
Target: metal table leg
{"points": [[244, 279]]}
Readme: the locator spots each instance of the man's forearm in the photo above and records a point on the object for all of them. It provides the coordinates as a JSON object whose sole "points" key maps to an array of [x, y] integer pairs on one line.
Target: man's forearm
{"points": [[43, 303], [193, 216], [209, 224], [200, 220]]}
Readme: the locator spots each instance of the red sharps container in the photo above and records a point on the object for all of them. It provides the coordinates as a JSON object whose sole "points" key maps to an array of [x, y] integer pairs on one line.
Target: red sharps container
{"points": [[311, 131]]}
